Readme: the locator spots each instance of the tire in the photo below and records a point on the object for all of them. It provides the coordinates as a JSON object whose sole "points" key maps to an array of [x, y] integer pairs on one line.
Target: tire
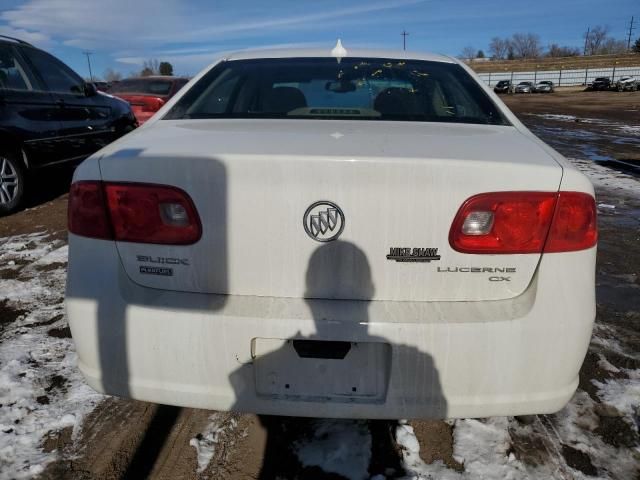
{"points": [[12, 179]]}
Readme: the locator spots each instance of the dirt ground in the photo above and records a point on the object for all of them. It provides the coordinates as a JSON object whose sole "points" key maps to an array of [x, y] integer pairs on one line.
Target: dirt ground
{"points": [[131, 440], [621, 107]]}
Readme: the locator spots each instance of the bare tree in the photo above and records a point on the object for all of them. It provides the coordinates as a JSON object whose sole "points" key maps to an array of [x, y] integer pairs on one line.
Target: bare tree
{"points": [[612, 46], [150, 67], [468, 53], [594, 38], [556, 50], [525, 45], [110, 75], [499, 48]]}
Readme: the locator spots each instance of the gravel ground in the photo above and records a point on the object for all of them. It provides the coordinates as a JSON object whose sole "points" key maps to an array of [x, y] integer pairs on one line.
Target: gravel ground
{"points": [[53, 426]]}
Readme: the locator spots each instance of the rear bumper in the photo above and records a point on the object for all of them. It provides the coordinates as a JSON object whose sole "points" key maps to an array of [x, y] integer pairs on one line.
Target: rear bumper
{"points": [[447, 359]]}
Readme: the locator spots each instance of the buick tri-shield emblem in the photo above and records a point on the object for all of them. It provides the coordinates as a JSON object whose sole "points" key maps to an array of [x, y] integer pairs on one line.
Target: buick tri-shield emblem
{"points": [[323, 221]]}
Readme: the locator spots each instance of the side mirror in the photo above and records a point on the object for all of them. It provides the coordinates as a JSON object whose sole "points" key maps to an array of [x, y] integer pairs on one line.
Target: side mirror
{"points": [[90, 89]]}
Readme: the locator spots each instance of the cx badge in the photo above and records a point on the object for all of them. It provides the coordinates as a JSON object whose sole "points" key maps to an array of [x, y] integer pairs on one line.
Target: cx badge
{"points": [[323, 221]]}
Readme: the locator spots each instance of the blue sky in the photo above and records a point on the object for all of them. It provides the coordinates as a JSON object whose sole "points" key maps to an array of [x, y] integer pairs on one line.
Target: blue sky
{"points": [[189, 34]]}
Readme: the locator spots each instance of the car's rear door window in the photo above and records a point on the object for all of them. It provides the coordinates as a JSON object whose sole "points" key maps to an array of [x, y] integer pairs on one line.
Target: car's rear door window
{"points": [[354, 88], [56, 75], [143, 86], [14, 74]]}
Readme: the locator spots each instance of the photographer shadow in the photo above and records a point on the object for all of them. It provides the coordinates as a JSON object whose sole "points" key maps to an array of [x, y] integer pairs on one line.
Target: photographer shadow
{"points": [[311, 375]]}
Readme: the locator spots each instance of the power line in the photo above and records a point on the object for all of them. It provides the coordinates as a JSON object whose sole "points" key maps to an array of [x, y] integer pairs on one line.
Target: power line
{"points": [[88, 54], [631, 29], [404, 39]]}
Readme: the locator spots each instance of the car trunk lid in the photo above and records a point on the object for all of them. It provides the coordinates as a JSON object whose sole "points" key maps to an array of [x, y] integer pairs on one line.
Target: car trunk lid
{"points": [[398, 185]]}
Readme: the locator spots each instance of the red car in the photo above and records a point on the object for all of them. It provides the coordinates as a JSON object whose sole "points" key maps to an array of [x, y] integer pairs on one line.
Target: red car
{"points": [[147, 94]]}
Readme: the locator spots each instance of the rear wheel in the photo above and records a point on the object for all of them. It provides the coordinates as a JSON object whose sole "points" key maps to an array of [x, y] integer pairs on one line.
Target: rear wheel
{"points": [[11, 183]]}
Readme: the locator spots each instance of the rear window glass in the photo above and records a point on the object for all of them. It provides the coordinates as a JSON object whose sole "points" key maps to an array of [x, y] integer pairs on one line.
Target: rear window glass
{"points": [[354, 88], [12, 73], [142, 85]]}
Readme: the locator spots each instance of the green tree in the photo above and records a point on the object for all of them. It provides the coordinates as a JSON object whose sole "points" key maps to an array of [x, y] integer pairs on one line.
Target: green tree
{"points": [[480, 54], [166, 68], [636, 46]]}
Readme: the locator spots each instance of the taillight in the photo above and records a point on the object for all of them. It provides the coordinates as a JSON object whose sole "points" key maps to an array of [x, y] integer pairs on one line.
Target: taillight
{"points": [[524, 222], [152, 104], [87, 214], [574, 224], [134, 212]]}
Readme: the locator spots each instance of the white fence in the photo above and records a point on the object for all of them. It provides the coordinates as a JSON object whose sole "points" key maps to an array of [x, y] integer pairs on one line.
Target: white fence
{"points": [[564, 78]]}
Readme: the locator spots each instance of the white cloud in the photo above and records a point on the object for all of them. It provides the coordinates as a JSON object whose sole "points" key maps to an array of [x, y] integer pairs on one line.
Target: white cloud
{"points": [[148, 24], [190, 35], [36, 38]]}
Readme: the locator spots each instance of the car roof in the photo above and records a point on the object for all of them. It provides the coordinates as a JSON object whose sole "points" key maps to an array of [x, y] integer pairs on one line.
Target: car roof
{"points": [[8, 39], [153, 77], [327, 52]]}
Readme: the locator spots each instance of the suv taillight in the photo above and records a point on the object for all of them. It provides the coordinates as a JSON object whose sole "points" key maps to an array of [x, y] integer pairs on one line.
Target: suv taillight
{"points": [[133, 212], [525, 222]]}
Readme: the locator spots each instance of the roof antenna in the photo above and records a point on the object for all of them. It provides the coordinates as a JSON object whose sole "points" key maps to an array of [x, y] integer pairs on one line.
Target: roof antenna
{"points": [[339, 51]]}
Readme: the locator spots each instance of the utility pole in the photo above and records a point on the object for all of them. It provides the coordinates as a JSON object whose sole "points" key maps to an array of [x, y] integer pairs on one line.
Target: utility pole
{"points": [[88, 54], [631, 29], [404, 39], [586, 39]]}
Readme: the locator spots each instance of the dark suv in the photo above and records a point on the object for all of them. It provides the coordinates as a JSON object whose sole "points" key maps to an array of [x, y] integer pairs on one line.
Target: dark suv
{"points": [[503, 86], [601, 83], [48, 116]]}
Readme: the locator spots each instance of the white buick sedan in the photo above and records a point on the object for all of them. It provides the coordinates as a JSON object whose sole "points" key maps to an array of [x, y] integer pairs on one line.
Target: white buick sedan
{"points": [[365, 234]]}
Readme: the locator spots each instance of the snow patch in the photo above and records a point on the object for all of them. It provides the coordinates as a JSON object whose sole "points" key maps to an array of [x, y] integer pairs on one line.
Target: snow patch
{"points": [[338, 446], [205, 443], [623, 394], [41, 389], [608, 178], [621, 127]]}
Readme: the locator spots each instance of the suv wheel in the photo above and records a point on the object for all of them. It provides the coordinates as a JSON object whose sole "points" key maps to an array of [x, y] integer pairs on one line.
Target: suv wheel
{"points": [[11, 183]]}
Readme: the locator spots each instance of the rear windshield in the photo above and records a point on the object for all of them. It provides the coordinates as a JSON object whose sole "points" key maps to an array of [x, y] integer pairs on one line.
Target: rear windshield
{"points": [[143, 85], [354, 88]]}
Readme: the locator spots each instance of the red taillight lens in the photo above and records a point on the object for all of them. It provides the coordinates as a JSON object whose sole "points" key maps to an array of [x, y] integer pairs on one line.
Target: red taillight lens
{"points": [[87, 214], [141, 213], [524, 222], [574, 223], [152, 104]]}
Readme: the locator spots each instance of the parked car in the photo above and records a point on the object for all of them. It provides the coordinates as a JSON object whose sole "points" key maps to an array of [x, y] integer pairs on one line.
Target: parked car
{"points": [[102, 86], [48, 116], [366, 235], [601, 83], [147, 94], [545, 86], [503, 86], [525, 87], [627, 83]]}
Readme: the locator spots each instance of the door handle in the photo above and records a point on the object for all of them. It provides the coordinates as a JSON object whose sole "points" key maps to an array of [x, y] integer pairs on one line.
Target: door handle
{"points": [[60, 103]]}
